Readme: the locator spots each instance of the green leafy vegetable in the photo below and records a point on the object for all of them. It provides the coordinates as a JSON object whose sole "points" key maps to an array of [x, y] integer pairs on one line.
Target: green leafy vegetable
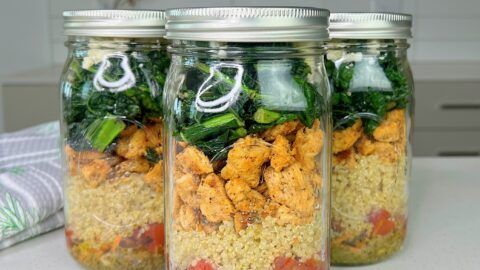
{"points": [[85, 106], [370, 103], [101, 132], [264, 116], [255, 109]]}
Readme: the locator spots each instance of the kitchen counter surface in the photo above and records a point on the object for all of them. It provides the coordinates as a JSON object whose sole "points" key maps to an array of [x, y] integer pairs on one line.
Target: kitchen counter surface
{"points": [[444, 225]]}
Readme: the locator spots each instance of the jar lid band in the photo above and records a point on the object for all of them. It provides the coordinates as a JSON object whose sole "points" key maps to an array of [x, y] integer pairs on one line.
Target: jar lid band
{"points": [[114, 23], [248, 24], [370, 25]]}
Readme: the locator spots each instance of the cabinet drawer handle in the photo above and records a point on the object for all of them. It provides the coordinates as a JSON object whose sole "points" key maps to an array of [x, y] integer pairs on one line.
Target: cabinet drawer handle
{"points": [[460, 106], [458, 153]]}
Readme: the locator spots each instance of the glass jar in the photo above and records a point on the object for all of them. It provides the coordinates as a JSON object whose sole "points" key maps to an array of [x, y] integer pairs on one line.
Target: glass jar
{"points": [[247, 139], [372, 102], [111, 93]]}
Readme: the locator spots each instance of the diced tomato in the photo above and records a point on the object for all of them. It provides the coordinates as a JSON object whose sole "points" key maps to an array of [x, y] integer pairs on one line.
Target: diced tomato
{"points": [[378, 215], [382, 222], [152, 238], [156, 233], [201, 265], [69, 237], [286, 263]]}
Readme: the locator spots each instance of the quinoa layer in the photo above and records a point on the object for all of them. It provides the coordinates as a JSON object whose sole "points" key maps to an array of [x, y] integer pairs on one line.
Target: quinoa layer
{"points": [[256, 247], [115, 208], [357, 191]]}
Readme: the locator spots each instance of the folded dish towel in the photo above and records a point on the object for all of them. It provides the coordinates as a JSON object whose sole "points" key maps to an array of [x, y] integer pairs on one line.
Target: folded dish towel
{"points": [[31, 195]]}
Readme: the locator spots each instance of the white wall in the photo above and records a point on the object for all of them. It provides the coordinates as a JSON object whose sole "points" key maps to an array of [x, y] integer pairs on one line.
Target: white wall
{"points": [[24, 35], [444, 30]]}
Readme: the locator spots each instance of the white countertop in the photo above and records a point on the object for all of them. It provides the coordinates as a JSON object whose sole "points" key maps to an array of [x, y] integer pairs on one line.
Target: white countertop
{"points": [[444, 225]]}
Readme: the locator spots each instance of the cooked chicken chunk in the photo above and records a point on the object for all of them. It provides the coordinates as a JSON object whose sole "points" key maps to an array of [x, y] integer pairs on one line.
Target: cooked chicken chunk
{"points": [[214, 202], [262, 189], [270, 209], [285, 215], [290, 188], [392, 128], [75, 159], [387, 152], [133, 146], [186, 218], [186, 188], [129, 131], [284, 129], [245, 160], [314, 179], [346, 158], [308, 144], [243, 197], [346, 138], [281, 155], [154, 135], [192, 160], [365, 146], [154, 177], [241, 220], [95, 172], [137, 165]]}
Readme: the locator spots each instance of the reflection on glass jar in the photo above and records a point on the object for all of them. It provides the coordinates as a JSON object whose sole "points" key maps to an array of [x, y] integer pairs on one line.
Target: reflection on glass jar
{"points": [[112, 136], [372, 104], [247, 144]]}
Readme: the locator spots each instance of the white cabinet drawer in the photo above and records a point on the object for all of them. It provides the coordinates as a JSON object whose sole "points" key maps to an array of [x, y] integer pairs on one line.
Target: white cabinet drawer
{"points": [[446, 143], [447, 104], [24, 105]]}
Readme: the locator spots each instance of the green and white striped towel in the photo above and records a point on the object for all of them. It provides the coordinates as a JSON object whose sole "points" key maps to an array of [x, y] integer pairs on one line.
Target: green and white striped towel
{"points": [[31, 197]]}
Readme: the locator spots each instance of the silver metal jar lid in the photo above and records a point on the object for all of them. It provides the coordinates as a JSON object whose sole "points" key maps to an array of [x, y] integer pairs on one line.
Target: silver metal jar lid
{"points": [[114, 23], [370, 25], [248, 24]]}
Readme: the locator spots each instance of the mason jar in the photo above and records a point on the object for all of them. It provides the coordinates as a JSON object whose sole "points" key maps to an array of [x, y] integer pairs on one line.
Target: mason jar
{"points": [[111, 91], [247, 131], [372, 102]]}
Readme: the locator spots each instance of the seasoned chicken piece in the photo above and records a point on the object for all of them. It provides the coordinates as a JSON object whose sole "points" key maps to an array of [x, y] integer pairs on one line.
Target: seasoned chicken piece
{"points": [[392, 129], [346, 157], [284, 129], [137, 165], [186, 188], [207, 226], [243, 197], [285, 215], [281, 155], [133, 146], [177, 204], [129, 131], [186, 218], [95, 172], [314, 179], [270, 209], [241, 220], [214, 202], [308, 144], [262, 189], [365, 146], [192, 160], [346, 138], [290, 188], [387, 152], [154, 135], [154, 177], [245, 160]]}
